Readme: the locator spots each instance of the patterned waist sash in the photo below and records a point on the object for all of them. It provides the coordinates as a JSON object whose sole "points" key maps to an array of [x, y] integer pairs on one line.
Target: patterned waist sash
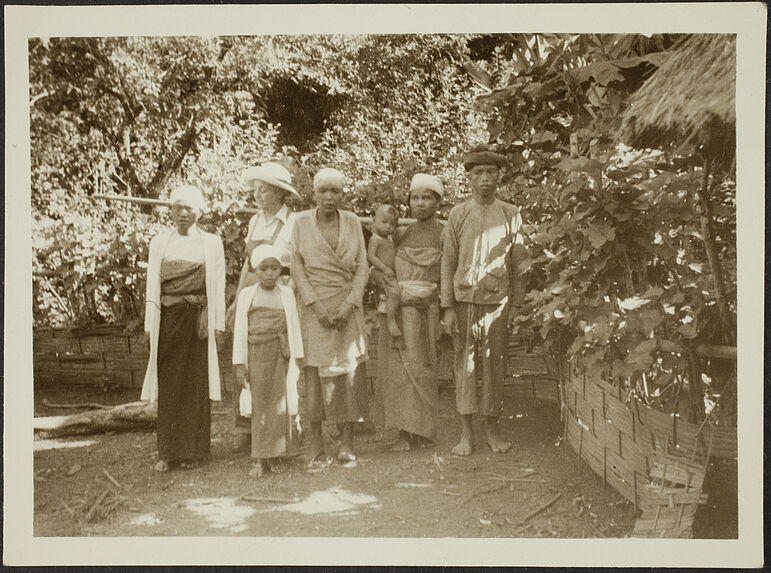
{"points": [[185, 282]]}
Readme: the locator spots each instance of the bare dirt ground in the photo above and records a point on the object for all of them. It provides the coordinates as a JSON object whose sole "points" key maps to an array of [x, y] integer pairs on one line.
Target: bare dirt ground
{"points": [[104, 485]]}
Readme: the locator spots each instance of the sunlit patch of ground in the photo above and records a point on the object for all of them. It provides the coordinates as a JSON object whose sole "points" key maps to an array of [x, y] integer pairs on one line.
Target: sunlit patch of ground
{"points": [[222, 512], [334, 500], [42, 445], [146, 519]]}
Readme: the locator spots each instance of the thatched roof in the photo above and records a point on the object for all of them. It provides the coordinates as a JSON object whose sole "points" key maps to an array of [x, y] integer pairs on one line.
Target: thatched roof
{"points": [[689, 101]]}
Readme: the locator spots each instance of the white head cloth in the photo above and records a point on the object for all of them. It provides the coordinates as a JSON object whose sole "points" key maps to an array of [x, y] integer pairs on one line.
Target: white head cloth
{"points": [[328, 177], [190, 196], [272, 173], [426, 181], [262, 252]]}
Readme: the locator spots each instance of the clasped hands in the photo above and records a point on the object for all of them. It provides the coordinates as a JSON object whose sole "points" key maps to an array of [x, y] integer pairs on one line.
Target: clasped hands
{"points": [[337, 320]]}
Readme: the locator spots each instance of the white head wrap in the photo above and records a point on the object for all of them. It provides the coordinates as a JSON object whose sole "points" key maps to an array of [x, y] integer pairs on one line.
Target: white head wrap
{"points": [[190, 196], [426, 181], [328, 177], [262, 252], [271, 173]]}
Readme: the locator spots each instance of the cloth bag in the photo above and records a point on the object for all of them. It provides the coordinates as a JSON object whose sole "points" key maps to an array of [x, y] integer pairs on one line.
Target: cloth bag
{"points": [[245, 403]]}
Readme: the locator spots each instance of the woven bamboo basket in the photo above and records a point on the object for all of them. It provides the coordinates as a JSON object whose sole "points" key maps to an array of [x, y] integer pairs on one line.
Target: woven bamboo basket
{"points": [[653, 459]]}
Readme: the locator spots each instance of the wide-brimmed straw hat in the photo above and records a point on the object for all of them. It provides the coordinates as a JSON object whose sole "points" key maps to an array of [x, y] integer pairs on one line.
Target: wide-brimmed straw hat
{"points": [[272, 174]]}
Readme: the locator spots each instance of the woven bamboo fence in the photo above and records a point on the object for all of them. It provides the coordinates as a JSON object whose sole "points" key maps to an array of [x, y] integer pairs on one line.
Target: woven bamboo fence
{"points": [[103, 355], [654, 459], [110, 356]]}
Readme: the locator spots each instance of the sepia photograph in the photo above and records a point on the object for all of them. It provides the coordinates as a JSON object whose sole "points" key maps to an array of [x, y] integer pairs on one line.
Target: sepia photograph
{"points": [[326, 290]]}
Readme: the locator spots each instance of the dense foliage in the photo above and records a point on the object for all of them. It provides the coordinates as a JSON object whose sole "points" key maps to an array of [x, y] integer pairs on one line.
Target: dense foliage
{"points": [[617, 266], [618, 271], [138, 115]]}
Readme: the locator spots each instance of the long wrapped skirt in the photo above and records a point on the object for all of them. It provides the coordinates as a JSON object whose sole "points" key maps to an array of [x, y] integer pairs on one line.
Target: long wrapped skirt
{"points": [[407, 392], [273, 433], [184, 409]]}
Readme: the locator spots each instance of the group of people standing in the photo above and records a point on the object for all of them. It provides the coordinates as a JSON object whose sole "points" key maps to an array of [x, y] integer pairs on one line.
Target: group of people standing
{"points": [[298, 314]]}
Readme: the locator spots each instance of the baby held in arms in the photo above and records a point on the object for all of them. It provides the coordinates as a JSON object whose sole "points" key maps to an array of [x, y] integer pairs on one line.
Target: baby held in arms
{"points": [[381, 254]]}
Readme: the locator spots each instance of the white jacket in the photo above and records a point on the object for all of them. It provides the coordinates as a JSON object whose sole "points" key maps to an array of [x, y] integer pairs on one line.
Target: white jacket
{"points": [[294, 337], [214, 259]]}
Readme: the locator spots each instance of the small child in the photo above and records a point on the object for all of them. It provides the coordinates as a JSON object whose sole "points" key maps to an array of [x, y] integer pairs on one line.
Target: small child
{"points": [[381, 254], [266, 347]]}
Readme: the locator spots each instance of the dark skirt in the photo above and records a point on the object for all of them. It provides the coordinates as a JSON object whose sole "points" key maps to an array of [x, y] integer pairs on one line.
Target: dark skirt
{"points": [[184, 409], [336, 399]]}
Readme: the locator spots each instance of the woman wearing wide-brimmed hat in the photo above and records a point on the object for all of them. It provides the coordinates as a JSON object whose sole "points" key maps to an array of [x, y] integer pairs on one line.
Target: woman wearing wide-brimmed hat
{"points": [[184, 316], [271, 184]]}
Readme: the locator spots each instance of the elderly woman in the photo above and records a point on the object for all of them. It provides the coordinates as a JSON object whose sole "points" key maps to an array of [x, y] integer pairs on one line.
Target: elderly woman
{"points": [[185, 307], [271, 184], [407, 390], [329, 269]]}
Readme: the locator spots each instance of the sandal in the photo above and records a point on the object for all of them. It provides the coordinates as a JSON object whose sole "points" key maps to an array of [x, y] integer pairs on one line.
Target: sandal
{"points": [[257, 470], [345, 456], [162, 466]]}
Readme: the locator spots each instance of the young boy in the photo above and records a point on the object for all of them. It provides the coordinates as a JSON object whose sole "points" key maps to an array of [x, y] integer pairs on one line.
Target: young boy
{"points": [[267, 344], [380, 254]]}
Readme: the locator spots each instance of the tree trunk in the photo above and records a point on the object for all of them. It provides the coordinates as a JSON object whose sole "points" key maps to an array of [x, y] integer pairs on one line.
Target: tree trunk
{"points": [[126, 417], [708, 236]]}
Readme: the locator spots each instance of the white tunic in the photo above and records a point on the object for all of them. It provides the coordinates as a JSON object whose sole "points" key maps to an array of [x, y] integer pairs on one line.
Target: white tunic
{"points": [[214, 259]]}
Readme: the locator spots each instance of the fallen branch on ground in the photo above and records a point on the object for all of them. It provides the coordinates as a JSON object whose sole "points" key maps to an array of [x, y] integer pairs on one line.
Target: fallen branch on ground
{"points": [[91, 405], [125, 417], [97, 503], [112, 479], [518, 479], [541, 508], [485, 491], [268, 499]]}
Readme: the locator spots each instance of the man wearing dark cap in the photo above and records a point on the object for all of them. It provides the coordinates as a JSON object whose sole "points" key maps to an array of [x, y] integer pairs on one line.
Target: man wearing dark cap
{"points": [[482, 291]]}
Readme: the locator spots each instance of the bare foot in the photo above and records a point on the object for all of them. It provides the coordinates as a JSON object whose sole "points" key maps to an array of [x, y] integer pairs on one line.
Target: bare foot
{"points": [[494, 440], [316, 449], [162, 466], [257, 470], [498, 444], [318, 464], [466, 444], [421, 442], [464, 447], [277, 465], [403, 443], [345, 455]]}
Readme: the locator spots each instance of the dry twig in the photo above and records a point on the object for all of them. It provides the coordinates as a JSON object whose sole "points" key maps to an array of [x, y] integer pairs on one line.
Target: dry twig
{"points": [[541, 508], [112, 479], [96, 505]]}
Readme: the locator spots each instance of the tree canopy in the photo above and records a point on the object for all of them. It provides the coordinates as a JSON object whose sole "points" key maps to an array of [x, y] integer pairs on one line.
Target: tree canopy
{"points": [[631, 251]]}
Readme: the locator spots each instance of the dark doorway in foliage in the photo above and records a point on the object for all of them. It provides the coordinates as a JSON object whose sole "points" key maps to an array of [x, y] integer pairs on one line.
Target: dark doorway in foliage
{"points": [[301, 109]]}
